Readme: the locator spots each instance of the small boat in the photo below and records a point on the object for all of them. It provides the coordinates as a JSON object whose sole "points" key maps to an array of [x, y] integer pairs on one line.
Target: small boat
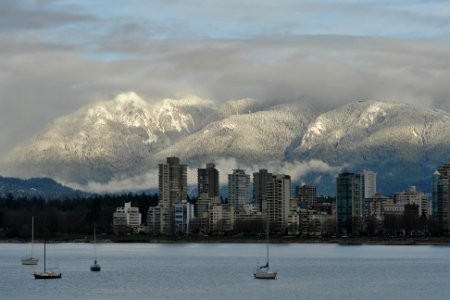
{"points": [[30, 260], [263, 272], [95, 267], [46, 274]]}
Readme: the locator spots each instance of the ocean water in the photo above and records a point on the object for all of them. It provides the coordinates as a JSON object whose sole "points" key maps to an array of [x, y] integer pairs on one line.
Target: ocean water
{"points": [[225, 271]]}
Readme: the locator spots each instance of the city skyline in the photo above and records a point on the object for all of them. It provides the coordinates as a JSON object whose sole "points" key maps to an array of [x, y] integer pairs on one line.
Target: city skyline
{"points": [[179, 143]]}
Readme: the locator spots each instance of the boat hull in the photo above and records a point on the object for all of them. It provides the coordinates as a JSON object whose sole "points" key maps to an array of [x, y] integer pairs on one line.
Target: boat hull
{"points": [[95, 268], [30, 261], [47, 275], [265, 275]]}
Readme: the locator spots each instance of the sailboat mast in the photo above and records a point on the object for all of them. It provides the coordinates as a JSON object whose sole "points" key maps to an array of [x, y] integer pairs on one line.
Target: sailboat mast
{"points": [[267, 242], [45, 257], [32, 235], [95, 244]]}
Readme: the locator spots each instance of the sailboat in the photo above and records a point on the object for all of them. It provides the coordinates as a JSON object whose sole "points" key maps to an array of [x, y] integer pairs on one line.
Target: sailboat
{"points": [[46, 274], [95, 267], [263, 272], [30, 260]]}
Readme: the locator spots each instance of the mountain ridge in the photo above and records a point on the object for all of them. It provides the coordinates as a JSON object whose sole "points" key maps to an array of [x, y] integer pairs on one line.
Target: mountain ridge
{"points": [[45, 188], [128, 136]]}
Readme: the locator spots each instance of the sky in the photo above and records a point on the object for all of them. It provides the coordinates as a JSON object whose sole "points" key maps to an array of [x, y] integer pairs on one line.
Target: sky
{"points": [[57, 56]]}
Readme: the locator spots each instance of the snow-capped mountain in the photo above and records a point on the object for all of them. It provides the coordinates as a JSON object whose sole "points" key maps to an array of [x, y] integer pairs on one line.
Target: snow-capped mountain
{"points": [[111, 138], [254, 137], [403, 143], [128, 136]]}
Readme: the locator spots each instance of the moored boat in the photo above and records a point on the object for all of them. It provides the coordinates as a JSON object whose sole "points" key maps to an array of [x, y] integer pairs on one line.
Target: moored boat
{"points": [[46, 274], [30, 260], [263, 272], [95, 267]]}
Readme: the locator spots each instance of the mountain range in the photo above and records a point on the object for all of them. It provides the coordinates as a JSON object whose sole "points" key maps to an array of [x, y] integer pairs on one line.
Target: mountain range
{"points": [[127, 137], [45, 188]]}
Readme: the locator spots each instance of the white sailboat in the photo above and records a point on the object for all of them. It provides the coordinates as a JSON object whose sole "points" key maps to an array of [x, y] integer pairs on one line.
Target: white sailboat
{"points": [[263, 272], [95, 267], [30, 260]]}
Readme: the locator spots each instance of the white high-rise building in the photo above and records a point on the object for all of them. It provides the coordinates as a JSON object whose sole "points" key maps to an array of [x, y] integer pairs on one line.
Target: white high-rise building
{"points": [[369, 183], [184, 213], [238, 188]]}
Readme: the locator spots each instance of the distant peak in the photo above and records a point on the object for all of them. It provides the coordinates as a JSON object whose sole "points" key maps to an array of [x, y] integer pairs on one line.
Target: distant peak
{"points": [[129, 98]]}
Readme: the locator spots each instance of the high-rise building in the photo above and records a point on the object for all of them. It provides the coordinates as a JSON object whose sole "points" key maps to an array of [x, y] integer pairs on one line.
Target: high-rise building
{"points": [[184, 213], [348, 202], [172, 182], [238, 188], [369, 183], [208, 182], [306, 195], [260, 180], [441, 197], [278, 195], [172, 191], [158, 220]]}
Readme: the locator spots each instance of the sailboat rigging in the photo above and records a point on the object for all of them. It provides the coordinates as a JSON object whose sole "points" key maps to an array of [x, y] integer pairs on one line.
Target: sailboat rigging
{"points": [[263, 272], [46, 274], [95, 267], [30, 260]]}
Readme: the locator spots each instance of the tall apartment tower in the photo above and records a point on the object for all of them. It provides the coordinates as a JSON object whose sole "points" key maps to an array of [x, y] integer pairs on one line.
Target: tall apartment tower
{"points": [[278, 196], [306, 195], [208, 181], [238, 188], [348, 202], [172, 182], [260, 180], [441, 197], [369, 183]]}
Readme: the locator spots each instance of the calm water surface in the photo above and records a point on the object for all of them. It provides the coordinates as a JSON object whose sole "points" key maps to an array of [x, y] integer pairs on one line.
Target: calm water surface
{"points": [[225, 271]]}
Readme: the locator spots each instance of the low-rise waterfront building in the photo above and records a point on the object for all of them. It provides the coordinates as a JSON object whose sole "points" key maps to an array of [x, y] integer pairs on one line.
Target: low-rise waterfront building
{"points": [[126, 219]]}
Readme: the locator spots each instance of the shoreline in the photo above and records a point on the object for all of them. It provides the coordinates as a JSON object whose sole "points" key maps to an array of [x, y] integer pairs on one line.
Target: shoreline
{"points": [[352, 241]]}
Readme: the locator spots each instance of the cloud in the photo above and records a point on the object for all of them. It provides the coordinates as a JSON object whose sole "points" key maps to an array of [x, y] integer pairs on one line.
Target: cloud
{"points": [[142, 182], [225, 166], [46, 82], [32, 15], [56, 57]]}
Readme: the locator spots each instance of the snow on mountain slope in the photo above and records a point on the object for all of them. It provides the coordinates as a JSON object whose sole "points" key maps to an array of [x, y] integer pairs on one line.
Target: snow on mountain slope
{"points": [[389, 138], [128, 136], [250, 138], [110, 137], [357, 128]]}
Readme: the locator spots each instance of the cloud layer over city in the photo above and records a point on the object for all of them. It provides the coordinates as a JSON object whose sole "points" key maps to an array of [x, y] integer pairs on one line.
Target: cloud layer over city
{"points": [[57, 56]]}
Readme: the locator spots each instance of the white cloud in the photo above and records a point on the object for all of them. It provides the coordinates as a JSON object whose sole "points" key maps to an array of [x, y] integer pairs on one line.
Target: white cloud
{"points": [[225, 166], [132, 184], [274, 52]]}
